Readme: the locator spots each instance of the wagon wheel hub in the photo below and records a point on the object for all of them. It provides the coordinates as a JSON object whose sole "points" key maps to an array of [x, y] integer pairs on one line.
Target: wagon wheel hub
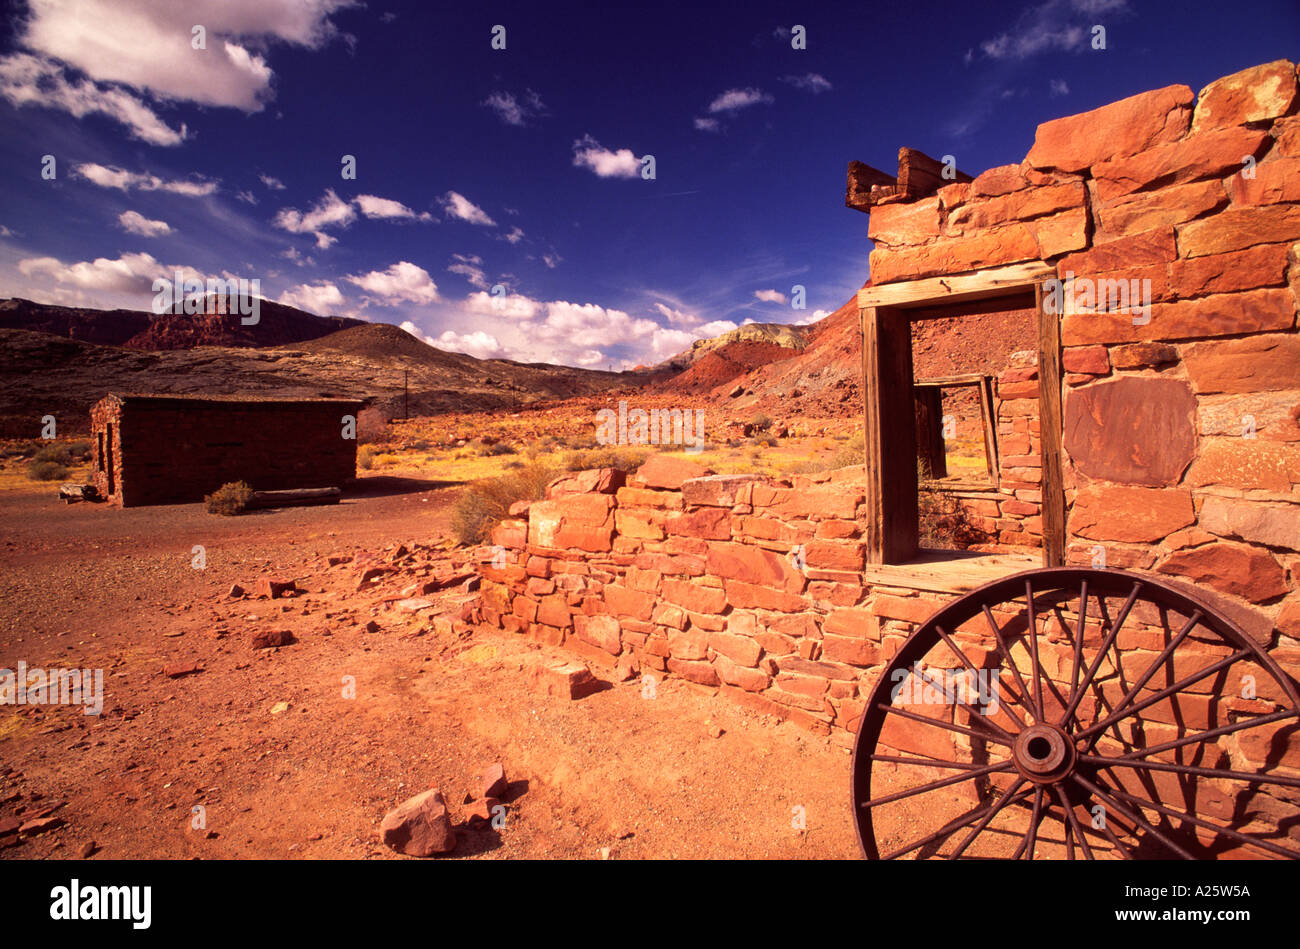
{"points": [[1044, 753]]}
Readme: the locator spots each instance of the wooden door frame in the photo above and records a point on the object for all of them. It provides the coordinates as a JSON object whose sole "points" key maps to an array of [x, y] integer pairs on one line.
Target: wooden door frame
{"points": [[887, 312]]}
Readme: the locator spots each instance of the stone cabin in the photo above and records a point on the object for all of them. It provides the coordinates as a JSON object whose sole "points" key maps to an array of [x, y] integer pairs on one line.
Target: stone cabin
{"points": [[1161, 438], [174, 449]]}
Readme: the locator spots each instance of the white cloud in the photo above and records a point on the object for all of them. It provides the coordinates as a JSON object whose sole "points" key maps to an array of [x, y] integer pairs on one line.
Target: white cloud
{"points": [[714, 328], [462, 208], [129, 273], [107, 177], [809, 82], [146, 44], [375, 207], [514, 235], [770, 296], [135, 223], [707, 125], [402, 282], [33, 80], [5, 232], [246, 196], [677, 317], [1059, 87], [478, 344], [588, 153], [1053, 26], [319, 298], [735, 99], [275, 184], [329, 211], [513, 306], [516, 110], [551, 260], [470, 267]]}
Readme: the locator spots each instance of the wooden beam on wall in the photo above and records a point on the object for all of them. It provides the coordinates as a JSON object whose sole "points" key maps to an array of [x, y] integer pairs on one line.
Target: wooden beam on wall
{"points": [[890, 430], [1050, 428], [944, 291]]}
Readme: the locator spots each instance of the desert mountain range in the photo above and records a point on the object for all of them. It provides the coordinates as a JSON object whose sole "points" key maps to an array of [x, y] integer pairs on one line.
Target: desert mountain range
{"points": [[59, 360]]}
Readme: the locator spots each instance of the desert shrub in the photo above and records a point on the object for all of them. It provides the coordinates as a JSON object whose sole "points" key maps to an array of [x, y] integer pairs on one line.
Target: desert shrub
{"points": [[231, 498], [944, 523], [420, 445], [500, 448], [45, 470], [484, 503], [760, 423], [371, 426], [58, 454], [366, 457], [514, 463], [611, 456]]}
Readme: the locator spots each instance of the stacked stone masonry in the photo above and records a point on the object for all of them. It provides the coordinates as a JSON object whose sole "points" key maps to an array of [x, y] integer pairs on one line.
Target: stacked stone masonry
{"points": [[1181, 431]]}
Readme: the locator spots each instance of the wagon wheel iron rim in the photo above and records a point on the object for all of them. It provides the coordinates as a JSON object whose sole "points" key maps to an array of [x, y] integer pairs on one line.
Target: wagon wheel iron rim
{"points": [[1058, 741]]}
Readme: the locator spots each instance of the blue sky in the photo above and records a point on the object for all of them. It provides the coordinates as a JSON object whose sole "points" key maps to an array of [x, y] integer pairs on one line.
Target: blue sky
{"points": [[520, 168]]}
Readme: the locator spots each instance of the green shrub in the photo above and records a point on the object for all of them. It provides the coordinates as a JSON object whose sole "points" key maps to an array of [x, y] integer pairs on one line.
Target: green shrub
{"points": [[760, 423], [45, 470], [484, 503], [231, 498], [612, 456]]}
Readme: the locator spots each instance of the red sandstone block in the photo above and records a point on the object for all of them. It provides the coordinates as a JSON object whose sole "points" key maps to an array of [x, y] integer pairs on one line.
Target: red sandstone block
{"points": [[852, 650], [859, 622], [694, 671], [825, 592], [753, 565], [683, 565], [600, 631], [666, 615], [707, 621], [911, 610], [800, 691], [739, 649], [694, 595], [743, 595], [622, 601], [834, 556], [1093, 360], [644, 497], [570, 680], [709, 523], [688, 643], [751, 680], [525, 608], [837, 529]]}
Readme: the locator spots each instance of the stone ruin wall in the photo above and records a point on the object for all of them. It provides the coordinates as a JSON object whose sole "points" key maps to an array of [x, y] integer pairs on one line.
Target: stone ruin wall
{"points": [[1181, 434]]}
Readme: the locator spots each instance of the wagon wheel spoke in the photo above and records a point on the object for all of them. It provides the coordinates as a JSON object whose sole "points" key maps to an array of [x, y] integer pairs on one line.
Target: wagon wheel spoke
{"points": [[970, 666], [1115, 627], [1151, 670], [1199, 772], [1164, 693], [1073, 824], [1032, 633], [1023, 692], [1078, 640], [958, 823], [935, 785], [1031, 835], [1209, 825], [1000, 803], [927, 762], [1131, 817], [1211, 733], [948, 726]]}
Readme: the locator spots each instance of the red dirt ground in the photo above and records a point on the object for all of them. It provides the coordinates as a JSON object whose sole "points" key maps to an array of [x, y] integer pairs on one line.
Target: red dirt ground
{"points": [[92, 586]]}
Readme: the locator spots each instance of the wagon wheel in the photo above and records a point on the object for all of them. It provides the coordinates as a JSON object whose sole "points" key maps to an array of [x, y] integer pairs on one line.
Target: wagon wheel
{"points": [[1135, 722]]}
